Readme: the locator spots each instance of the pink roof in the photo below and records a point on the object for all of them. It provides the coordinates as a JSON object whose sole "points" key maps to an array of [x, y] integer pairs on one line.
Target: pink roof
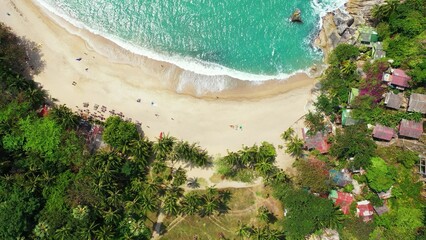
{"points": [[317, 141], [44, 111], [344, 200], [400, 78], [410, 129], [382, 132], [365, 209]]}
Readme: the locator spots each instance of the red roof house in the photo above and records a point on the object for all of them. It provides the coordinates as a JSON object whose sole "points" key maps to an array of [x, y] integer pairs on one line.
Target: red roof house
{"points": [[399, 78], [342, 199], [319, 141], [44, 111], [365, 210], [411, 129], [383, 133]]}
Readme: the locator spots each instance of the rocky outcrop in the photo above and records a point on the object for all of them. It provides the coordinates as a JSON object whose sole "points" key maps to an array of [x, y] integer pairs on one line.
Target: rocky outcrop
{"points": [[340, 26], [361, 9], [296, 16], [342, 20]]}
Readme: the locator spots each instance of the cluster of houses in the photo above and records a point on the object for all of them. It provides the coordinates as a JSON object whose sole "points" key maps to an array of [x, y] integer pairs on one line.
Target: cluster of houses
{"points": [[344, 200], [398, 79]]}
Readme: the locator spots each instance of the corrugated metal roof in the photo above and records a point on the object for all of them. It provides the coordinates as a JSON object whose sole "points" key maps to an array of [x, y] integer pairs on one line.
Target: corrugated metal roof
{"points": [[417, 103], [410, 129]]}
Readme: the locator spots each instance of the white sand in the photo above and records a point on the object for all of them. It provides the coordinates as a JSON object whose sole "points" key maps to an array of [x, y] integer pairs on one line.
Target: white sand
{"points": [[264, 111]]}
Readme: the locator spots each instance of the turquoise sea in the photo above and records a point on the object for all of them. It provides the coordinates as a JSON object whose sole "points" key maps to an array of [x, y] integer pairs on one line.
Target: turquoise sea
{"points": [[250, 39]]}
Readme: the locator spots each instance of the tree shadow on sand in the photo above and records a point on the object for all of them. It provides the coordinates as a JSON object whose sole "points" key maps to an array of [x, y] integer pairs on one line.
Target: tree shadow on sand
{"points": [[34, 62]]}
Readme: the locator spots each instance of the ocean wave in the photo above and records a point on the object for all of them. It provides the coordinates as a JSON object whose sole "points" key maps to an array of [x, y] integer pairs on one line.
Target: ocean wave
{"points": [[199, 67]]}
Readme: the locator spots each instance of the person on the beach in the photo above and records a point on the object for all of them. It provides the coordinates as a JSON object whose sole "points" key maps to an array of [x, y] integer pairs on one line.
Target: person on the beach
{"points": [[74, 83], [139, 100]]}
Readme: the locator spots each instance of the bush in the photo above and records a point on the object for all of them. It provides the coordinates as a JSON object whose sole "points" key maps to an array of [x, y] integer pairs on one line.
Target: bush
{"points": [[343, 52]]}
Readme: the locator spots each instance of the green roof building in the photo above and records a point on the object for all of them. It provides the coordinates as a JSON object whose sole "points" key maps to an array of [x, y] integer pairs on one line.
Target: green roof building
{"points": [[352, 95], [368, 35], [347, 119]]}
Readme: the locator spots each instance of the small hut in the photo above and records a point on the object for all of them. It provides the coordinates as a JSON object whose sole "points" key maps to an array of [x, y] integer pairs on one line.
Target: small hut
{"points": [[393, 101], [417, 103], [410, 129], [365, 210], [383, 133], [399, 79], [378, 51], [342, 199], [319, 141]]}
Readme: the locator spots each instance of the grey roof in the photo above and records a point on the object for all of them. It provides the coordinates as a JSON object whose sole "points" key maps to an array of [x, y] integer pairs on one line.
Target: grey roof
{"points": [[379, 53], [380, 210], [365, 36], [417, 103], [393, 100]]}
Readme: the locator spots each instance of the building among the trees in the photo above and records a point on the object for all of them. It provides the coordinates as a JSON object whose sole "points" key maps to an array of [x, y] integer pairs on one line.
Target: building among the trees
{"points": [[368, 35], [378, 51], [340, 178], [411, 129], [319, 141], [383, 133], [347, 119], [393, 101], [342, 199], [352, 95], [397, 78], [365, 210], [417, 103]]}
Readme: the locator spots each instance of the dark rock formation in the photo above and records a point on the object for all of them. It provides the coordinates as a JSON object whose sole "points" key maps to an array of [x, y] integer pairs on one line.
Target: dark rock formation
{"points": [[296, 16]]}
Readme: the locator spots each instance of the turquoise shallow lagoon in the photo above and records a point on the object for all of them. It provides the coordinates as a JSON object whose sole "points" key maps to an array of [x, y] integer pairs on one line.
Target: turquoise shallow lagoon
{"points": [[229, 37]]}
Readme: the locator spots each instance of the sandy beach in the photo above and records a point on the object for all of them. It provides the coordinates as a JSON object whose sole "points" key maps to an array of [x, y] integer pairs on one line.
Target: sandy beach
{"points": [[110, 76]]}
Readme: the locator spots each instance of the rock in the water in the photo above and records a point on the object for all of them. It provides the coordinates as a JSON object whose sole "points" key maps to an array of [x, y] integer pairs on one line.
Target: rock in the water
{"points": [[296, 16]]}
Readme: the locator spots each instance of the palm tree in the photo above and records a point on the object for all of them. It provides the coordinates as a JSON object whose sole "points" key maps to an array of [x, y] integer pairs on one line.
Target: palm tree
{"points": [[383, 12], [295, 147], [64, 117], [110, 216], [193, 183], [158, 167], [104, 232], [63, 233], [288, 134], [201, 158], [264, 168], [170, 206], [89, 231], [348, 67], [191, 203], [244, 231], [263, 214], [132, 206], [179, 177], [147, 203], [249, 155], [36, 96], [164, 146], [141, 150]]}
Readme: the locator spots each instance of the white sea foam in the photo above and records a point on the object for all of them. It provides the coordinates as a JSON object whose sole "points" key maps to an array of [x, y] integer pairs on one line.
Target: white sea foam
{"points": [[213, 72]]}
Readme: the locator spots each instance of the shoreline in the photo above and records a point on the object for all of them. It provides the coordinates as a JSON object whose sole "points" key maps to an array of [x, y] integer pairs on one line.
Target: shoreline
{"points": [[127, 53], [263, 111]]}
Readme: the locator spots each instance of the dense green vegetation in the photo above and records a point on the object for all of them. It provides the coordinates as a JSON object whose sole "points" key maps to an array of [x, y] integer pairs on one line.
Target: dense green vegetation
{"points": [[53, 186]]}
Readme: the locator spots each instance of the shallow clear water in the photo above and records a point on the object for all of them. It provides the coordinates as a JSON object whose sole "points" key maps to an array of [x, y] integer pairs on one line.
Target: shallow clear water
{"points": [[250, 36]]}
